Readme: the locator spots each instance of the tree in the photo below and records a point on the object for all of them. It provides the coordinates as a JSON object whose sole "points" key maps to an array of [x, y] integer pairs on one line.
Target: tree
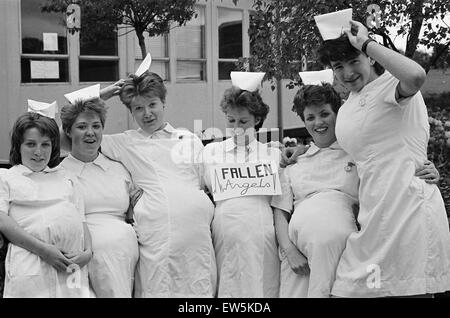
{"points": [[284, 35], [441, 56], [154, 17]]}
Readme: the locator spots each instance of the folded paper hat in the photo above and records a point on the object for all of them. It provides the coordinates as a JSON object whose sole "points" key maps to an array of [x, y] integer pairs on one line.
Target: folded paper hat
{"points": [[84, 94], [247, 81], [145, 65], [45, 109], [331, 25], [317, 77]]}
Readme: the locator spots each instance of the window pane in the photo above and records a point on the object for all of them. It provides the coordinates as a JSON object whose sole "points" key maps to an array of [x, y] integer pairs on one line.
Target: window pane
{"points": [[225, 68], [252, 40], [92, 43], [159, 67], [191, 38], [191, 71], [44, 70], [157, 46], [230, 33], [99, 71], [35, 23]]}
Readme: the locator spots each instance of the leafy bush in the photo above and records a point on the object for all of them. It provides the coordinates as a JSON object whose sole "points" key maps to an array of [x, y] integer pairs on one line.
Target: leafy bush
{"points": [[439, 145]]}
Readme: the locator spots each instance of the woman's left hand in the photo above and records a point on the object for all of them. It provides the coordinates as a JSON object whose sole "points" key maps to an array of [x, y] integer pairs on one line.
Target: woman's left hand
{"points": [[359, 36], [81, 259], [428, 172]]}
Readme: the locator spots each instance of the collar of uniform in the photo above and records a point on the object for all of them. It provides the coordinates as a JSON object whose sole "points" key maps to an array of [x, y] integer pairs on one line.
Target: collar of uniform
{"points": [[167, 130], [313, 149], [76, 166], [21, 169], [376, 82], [230, 145]]}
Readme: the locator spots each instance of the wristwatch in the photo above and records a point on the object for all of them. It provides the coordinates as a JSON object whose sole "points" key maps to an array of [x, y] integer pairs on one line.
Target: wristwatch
{"points": [[364, 46]]}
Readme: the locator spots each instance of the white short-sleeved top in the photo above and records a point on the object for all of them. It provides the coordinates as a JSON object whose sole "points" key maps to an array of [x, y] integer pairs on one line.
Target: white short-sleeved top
{"points": [[317, 170], [105, 184], [178, 152], [24, 192]]}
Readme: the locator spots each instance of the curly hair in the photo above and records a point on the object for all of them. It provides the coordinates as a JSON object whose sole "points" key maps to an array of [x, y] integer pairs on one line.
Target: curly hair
{"points": [[148, 83], [252, 101], [316, 95], [70, 112], [341, 49], [46, 127]]}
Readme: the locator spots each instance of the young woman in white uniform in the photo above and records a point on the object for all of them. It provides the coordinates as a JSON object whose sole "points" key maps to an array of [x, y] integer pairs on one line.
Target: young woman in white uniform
{"points": [[314, 215], [106, 189], [403, 247], [42, 216], [242, 228], [173, 216]]}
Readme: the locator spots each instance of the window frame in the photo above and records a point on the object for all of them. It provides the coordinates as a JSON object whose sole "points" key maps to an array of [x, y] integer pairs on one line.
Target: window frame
{"points": [[43, 57], [228, 60], [165, 60], [201, 61], [115, 58]]}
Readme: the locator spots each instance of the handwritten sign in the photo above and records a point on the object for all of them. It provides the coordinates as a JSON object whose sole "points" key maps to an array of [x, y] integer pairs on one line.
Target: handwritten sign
{"points": [[243, 179]]}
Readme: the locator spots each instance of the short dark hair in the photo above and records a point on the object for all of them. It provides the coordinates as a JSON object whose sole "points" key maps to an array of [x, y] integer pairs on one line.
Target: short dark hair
{"points": [[46, 126], [316, 95], [148, 83], [341, 49], [70, 112], [252, 101]]}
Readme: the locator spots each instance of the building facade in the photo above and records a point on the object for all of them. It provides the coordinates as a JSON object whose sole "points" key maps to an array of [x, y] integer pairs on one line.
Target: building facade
{"points": [[41, 60]]}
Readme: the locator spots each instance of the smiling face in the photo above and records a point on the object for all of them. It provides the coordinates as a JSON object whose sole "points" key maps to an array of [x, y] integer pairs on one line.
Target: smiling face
{"points": [[354, 73], [86, 134], [148, 111], [320, 121], [242, 124], [35, 150]]}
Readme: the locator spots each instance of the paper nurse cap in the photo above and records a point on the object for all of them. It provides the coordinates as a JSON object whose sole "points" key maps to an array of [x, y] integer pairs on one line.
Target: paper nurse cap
{"points": [[331, 25], [317, 77], [247, 81], [45, 109], [84, 94], [145, 65]]}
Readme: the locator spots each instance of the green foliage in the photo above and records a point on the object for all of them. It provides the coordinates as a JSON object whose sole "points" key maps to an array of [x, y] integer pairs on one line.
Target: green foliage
{"points": [[284, 35]]}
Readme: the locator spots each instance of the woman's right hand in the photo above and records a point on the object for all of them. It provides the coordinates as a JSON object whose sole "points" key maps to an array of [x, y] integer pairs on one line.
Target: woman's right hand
{"points": [[111, 90], [53, 256], [297, 261], [289, 155]]}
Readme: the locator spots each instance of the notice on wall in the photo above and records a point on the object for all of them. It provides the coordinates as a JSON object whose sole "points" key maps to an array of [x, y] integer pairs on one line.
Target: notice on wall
{"points": [[44, 69], [50, 41], [244, 179]]}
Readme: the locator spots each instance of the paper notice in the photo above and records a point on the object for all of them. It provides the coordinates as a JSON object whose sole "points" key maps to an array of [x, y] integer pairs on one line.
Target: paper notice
{"points": [[243, 179], [50, 41], [44, 69]]}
